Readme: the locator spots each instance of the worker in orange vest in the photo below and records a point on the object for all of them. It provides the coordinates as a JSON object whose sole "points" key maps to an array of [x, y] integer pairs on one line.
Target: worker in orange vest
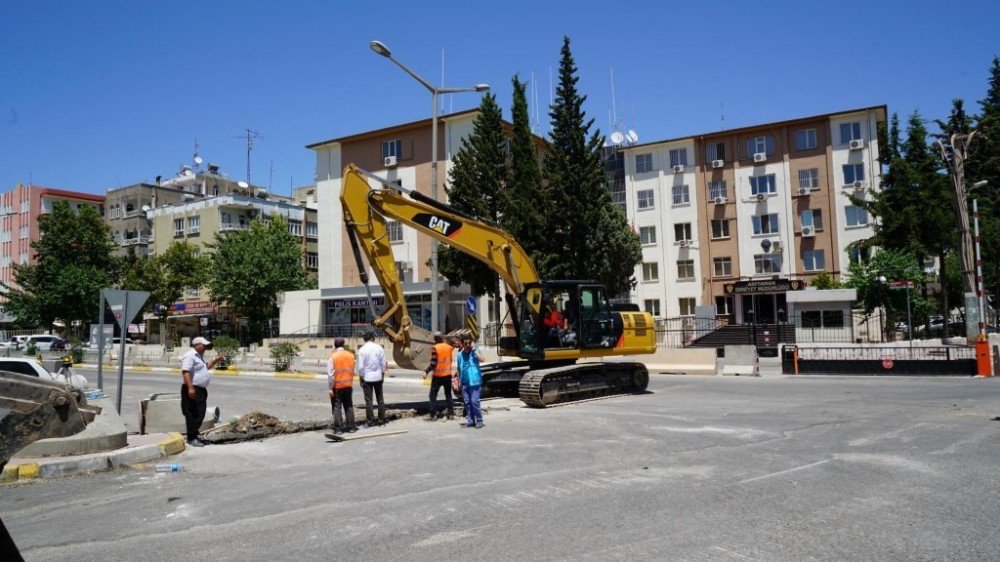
{"points": [[441, 363], [340, 383]]}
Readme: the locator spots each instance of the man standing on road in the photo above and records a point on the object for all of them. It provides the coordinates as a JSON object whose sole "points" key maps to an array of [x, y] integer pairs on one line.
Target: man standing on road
{"points": [[469, 373], [440, 366], [371, 367], [194, 391], [340, 383]]}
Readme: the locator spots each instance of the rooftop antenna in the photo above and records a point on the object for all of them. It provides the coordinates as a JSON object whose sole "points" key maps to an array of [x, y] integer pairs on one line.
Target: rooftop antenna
{"points": [[722, 116], [270, 177], [534, 104], [196, 159], [251, 135]]}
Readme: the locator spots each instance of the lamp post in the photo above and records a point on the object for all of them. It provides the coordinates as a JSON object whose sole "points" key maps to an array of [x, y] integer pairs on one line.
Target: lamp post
{"points": [[381, 49], [979, 262]]}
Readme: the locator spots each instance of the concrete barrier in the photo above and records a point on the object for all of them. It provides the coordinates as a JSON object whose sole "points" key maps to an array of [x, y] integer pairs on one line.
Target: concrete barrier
{"points": [[738, 360], [105, 433], [161, 413], [688, 360]]}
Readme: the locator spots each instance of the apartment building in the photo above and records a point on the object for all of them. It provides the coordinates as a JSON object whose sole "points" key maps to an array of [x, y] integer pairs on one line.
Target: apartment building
{"points": [[199, 224], [731, 221], [21, 207], [402, 154]]}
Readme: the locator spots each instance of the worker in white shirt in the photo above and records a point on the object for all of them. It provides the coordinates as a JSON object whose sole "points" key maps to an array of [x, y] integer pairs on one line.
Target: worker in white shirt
{"points": [[370, 365]]}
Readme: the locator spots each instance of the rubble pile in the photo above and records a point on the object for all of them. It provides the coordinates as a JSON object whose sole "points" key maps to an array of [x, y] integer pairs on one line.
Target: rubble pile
{"points": [[258, 425]]}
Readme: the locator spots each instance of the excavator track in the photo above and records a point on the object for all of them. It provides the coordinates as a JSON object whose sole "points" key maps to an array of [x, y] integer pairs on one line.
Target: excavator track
{"points": [[542, 387]]}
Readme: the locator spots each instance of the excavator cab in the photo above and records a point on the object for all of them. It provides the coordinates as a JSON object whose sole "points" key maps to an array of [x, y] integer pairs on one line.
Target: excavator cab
{"points": [[557, 317]]}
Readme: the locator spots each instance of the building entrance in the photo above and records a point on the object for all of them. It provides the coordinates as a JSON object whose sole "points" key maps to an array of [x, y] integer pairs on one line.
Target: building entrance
{"points": [[767, 308]]}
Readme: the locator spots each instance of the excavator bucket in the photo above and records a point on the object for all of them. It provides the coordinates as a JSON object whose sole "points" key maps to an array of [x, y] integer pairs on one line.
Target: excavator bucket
{"points": [[418, 355]]}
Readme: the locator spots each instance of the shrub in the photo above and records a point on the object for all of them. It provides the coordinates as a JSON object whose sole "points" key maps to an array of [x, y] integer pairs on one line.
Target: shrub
{"points": [[283, 353], [76, 350], [226, 347], [31, 350]]}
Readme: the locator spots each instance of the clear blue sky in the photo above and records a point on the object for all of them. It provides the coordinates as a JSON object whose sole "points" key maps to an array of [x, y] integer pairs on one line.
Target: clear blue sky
{"points": [[97, 94]]}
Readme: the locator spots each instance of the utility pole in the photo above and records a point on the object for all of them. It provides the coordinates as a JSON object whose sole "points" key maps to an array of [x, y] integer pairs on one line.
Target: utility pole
{"points": [[250, 135], [959, 144]]}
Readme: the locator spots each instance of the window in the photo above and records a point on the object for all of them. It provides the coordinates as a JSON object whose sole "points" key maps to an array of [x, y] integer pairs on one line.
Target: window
{"points": [[857, 255], [813, 260], [685, 270], [723, 306], [395, 231], [809, 179], [679, 157], [312, 230], [194, 224], [822, 319], [805, 139], [401, 269], [295, 227], [856, 216], [682, 196], [652, 306], [650, 271], [715, 151], [687, 306], [178, 227], [853, 173], [682, 231], [763, 144], [849, 132], [113, 212], [767, 263], [312, 260], [765, 224], [645, 197], [723, 267], [197, 251], [762, 184], [647, 235], [643, 163], [226, 218], [833, 319], [392, 148], [720, 228], [717, 188], [193, 293], [813, 218]]}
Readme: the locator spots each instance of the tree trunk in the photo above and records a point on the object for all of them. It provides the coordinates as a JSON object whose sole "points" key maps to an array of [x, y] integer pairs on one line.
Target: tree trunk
{"points": [[945, 309]]}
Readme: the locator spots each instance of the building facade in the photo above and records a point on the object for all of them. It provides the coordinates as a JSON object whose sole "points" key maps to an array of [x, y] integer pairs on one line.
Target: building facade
{"points": [[402, 154], [732, 220], [21, 207]]}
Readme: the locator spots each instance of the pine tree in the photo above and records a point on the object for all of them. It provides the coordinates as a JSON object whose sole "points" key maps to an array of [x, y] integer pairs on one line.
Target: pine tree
{"points": [[587, 236], [522, 201], [477, 181], [984, 164]]}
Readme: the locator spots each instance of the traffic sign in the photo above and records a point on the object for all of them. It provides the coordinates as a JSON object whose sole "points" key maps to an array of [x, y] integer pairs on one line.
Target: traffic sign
{"points": [[470, 305], [473, 325], [900, 284]]}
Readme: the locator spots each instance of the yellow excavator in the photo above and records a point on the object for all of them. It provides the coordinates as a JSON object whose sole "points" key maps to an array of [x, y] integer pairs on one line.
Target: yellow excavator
{"points": [[555, 323]]}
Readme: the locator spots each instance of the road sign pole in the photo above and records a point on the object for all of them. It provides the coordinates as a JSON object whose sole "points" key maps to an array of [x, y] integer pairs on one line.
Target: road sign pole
{"points": [[121, 356], [100, 345], [909, 318]]}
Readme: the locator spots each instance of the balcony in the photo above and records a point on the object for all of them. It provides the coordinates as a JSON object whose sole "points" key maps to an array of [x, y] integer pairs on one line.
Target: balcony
{"points": [[133, 214], [137, 241], [231, 227]]}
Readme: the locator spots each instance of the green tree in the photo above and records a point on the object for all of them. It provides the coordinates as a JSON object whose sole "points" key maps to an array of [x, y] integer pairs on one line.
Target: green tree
{"points": [[73, 262], [984, 164], [250, 267], [167, 276], [522, 205], [824, 281], [477, 180], [588, 237], [874, 294]]}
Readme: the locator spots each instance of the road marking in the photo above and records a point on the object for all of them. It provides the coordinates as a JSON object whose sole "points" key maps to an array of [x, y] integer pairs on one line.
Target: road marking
{"points": [[810, 465]]}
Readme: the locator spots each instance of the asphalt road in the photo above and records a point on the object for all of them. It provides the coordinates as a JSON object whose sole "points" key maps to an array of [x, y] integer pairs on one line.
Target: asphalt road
{"points": [[701, 468]]}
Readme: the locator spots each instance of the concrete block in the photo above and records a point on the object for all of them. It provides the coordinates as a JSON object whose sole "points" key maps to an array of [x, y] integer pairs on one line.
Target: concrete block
{"points": [[9, 472], [738, 360], [90, 463], [162, 414], [27, 470], [105, 433], [172, 445], [136, 455]]}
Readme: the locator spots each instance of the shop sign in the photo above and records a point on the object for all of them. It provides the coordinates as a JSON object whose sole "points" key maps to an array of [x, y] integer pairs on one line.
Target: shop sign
{"points": [[356, 303], [763, 286]]}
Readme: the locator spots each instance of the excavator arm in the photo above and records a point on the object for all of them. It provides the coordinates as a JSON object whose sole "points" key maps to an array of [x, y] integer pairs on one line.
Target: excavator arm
{"points": [[366, 209]]}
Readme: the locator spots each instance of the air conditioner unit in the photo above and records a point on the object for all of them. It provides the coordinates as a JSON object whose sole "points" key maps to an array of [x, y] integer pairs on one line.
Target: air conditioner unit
{"points": [[679, 168], [718, 163], [776, 245], [808, 232], [720, 200], [803, 191], [390, 161], [760, 157], [859, 184], [760, 197], [684, 243], [857, 144]]}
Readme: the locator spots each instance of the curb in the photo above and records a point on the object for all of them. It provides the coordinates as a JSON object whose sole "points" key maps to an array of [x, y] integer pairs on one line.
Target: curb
{"points": [[97, 462]]}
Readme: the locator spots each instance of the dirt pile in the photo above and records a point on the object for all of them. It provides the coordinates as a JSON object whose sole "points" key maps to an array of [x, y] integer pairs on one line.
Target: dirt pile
{"points": [[258, 425]]}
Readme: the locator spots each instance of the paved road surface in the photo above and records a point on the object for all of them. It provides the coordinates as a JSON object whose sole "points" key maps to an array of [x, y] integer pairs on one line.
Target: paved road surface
{"points": [[701, 468]]}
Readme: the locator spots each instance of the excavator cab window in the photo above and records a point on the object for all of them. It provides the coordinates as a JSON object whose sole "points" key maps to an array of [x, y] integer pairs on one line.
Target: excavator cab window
{"points": [[596, 325], [531, 332]]}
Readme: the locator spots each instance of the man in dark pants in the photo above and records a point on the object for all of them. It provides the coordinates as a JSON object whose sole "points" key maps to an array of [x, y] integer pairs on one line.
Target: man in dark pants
{"points": [[371, 366], [340, 379], [194, 391], [440, 366]]}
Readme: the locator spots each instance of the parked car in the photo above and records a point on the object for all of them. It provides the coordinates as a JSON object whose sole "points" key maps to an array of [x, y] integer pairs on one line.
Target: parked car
{"points": [[42, 341], [25, 366], [15, 342]]}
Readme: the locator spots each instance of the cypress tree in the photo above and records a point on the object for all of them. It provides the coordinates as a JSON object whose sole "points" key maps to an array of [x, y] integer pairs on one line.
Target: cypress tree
{"points": [[587, 236], [523, 200]]}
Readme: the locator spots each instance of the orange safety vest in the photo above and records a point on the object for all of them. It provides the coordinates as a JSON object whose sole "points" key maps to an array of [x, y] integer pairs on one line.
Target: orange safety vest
{"points": [[443, 367], [343, 369]]}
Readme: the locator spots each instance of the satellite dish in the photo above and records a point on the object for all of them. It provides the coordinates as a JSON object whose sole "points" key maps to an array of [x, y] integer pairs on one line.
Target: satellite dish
{"points": [[145, 208], [632, 136], [188, 173], [617, 137], [198, 160], [765, 244], [243, 184]]}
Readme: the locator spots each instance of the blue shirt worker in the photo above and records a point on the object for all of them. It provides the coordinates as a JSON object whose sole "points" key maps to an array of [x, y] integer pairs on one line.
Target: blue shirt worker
{"points": [[470, 374], [371, 367], [194, 391]]}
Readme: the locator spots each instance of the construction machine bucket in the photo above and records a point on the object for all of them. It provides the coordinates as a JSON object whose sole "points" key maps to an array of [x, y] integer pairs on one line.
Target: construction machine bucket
{"points": [[418, 355]]}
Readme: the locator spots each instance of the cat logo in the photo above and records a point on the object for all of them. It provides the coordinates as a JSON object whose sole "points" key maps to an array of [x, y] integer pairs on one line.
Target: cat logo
{"points": [[445, 227]]}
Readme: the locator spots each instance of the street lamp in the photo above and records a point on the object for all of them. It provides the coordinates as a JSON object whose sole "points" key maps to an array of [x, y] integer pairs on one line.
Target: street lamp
{"points": [[980, 295], [381, 49]]}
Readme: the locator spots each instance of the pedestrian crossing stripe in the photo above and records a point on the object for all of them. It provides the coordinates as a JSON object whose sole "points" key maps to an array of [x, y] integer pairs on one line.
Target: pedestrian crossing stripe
{"points": [[472, 325]]}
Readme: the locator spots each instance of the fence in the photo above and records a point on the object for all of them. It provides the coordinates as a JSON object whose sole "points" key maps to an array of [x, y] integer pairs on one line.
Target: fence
{"points": [[883, 360]]}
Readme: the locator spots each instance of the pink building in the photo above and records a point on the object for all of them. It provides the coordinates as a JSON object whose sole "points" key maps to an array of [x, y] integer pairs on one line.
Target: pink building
{"points": [[19, 212]]}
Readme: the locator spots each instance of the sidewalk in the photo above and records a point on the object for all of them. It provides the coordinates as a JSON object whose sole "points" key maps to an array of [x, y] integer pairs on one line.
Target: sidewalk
{"points": [[140, 449]]}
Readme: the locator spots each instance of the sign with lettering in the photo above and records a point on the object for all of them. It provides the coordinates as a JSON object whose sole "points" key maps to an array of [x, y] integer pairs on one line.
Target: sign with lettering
{"points": [[763, 286], [357, 303], [446, 227]]}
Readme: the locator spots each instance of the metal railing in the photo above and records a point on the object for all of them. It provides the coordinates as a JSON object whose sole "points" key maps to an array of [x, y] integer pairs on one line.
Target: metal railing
{"points": [[896, 352]]}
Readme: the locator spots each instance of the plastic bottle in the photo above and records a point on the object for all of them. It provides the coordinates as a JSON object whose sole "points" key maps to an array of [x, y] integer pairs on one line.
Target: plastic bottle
{"points": [[169, 467]]}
